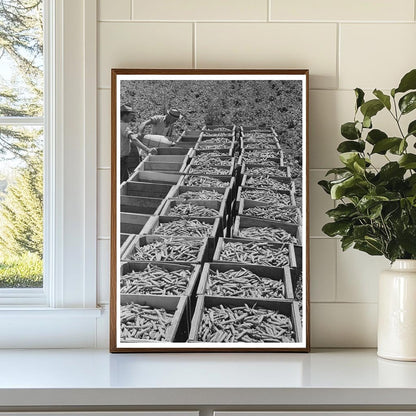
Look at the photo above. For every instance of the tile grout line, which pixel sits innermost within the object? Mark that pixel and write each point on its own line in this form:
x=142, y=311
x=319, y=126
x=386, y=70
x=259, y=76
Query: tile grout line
x=131, y=9
x=308, y=22
x=269, y=9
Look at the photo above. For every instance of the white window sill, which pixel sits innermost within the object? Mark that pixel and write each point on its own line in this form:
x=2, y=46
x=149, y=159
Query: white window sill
x=38, y=311
x=40, y=327
x=323, y=378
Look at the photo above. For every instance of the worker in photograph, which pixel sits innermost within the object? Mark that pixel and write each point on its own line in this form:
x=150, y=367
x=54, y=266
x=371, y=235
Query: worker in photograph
x=127, y=138
x=162, y=125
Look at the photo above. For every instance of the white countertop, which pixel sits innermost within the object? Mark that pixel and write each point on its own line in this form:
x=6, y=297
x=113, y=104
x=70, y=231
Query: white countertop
x=96, y=377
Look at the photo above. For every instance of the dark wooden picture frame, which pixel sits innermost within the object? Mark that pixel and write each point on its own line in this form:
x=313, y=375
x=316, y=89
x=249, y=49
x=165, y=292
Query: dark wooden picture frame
x=241, y=159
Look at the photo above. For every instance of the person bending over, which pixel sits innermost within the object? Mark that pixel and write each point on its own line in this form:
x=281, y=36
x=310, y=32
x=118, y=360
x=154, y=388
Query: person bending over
x=162, y=124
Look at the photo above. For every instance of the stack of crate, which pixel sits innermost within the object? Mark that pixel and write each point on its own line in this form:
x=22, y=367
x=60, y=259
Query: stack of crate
x=178, y=238
x=247, y=293
x=154, y=294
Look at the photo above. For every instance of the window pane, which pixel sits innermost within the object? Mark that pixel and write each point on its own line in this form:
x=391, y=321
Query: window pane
x=21, y=58
x=21, y=207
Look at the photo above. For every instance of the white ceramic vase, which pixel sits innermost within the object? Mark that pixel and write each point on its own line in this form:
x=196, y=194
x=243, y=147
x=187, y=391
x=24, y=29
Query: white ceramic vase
x=397, y=312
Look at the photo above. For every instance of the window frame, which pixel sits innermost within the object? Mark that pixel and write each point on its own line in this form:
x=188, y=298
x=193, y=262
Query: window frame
x=70, y=168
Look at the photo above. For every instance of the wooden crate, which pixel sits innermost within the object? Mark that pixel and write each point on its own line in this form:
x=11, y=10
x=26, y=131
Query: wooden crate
x=174, y=150
x=296, y=275
x=228, y=171
x=167, y=158
x=157, y=220
x=191, y=134
x=228, y=181
x=216, y=147
x=232, y=160
x=145, y=189
x=290, y=194
x=287, y=307
x=138, y=266
x=270, y=141
x=125, y=241
x=275, y=156
x=222, y=241
x=154, y=177
x=172, y=304
x=247, y=179
x=284, y=170
x=132, y=223
x=226, y=152
x=269, y=161
x=245, y=222
x=168, y=167
x=140, y=205
x=140, y=241
x=218, y=127
x=274, y=273
x=245, y=204
x=255, y=129
x=220, y=206
x=209, y=135
x=299, y=255
x=176, y=192
x=187, y=141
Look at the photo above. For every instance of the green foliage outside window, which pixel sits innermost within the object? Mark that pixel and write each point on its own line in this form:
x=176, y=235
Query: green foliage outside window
x=21, y=147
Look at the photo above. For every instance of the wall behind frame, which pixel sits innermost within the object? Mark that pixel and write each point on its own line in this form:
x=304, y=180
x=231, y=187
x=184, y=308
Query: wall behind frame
x=345, y=44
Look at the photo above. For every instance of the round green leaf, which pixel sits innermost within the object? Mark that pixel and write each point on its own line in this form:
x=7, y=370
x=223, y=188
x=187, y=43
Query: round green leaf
x=325, y=186
x=348, y=158
x=399, y=148
x=408, y=102
x=408, y=82
x=359, y=95
x=385, y=99
x=385, y=144
x=336, y=228
x=411, y=130
x=408, y=161
x=371, y=108
x=349, y=146
x=342, y=211
x=375, y=136
x=349, y=131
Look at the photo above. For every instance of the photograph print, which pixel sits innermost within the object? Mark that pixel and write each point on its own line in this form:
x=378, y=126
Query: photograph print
x=209, y=214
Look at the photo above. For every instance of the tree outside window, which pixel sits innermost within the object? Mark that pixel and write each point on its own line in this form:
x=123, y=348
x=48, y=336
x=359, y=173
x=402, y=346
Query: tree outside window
x=21, y=143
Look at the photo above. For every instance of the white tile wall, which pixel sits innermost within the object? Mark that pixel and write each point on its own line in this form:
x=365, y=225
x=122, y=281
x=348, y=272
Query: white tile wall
x=345, y=44
x=357, y=275
x=114, y=10
x=323, y=269
x=358, y=10
x=142, y=45
x=104, y=128
x=271, y=45
x=200, y=10
x=104, y=202
x=388, y=54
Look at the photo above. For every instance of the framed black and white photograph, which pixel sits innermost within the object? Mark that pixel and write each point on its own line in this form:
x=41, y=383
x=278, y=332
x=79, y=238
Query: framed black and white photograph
x=209, y=214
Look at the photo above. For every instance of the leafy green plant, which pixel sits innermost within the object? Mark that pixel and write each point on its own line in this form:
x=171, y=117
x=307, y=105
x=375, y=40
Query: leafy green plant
x=376, y=212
